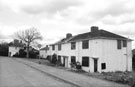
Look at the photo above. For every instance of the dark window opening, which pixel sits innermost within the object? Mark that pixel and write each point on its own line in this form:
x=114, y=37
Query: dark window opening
x=85, y=44
x=59, y=59
x=124, y=43
x=85, y=61
x=53, y=47
x=59, y=47
x=103, y=65
x=73, y=59
x=118, y=44
x=73, y=45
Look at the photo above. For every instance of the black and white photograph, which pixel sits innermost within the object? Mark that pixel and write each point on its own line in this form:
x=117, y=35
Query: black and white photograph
x=67, y=43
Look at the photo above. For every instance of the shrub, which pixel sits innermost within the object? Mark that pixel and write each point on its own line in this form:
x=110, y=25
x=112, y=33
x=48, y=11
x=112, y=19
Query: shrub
x=16, y=55
x=22, y=53
x=48, y=58
x=33, y=54
x=54, y=59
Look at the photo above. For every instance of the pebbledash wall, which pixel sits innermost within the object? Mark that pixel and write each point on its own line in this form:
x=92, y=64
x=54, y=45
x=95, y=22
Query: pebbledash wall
x=109, y=58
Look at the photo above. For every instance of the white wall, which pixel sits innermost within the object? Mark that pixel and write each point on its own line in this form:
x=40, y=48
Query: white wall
x=13, y=50
x=43, y=53
x=105, y=50
x=115, y=59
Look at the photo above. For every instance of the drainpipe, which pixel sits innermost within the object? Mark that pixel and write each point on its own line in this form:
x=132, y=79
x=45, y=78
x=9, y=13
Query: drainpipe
x=78, y=52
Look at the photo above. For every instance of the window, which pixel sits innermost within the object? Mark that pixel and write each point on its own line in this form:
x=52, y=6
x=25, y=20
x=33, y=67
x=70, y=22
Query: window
x=124, y=43
x=73, y=45
x=85, y=61
x=59, y=58
x=118, y=44
x=103, y=65
x=53, y=47
x=73, y=59
x=59, y=47
x=85, y=44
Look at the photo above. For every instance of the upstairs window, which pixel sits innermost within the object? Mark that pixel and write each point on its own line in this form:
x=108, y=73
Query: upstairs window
x=73, y=59
x=85, y=61
x=124, y=43
x=119, y=44
x=59, y=47
x=73, y=45
x=85, y=44
x=53, y=47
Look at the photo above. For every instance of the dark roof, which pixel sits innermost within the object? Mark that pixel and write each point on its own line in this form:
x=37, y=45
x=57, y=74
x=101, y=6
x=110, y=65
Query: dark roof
x=16, y=45
x=97, y=34
x=64, y=40
x=45, y=48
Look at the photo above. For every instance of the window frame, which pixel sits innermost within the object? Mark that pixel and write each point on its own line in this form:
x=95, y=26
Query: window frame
x=59, y=58
x=119, y=44
x=103, y=66
x=74, y=62
x=124, y=43
x=85, y=44
x=73, y=45
x=53, y=47
x=59, y=47
x=85, y=61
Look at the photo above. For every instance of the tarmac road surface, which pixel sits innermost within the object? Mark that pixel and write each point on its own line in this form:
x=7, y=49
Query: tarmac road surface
x=16, y=74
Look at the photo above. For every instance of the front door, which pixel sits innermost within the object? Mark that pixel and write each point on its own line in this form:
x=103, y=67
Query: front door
x=66, y=61
x=95, y=65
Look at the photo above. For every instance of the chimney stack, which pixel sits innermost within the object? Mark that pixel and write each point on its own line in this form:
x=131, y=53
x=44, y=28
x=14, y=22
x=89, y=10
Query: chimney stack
x=68, y=35
x=16, y=41
x=94, y=29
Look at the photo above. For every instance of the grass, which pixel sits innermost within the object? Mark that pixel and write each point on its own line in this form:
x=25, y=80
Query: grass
x=119, y=77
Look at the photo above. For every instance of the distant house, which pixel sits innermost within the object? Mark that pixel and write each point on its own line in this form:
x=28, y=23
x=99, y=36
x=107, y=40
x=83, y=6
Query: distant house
x=14, y=47
x=97, y=51
x=43, y=52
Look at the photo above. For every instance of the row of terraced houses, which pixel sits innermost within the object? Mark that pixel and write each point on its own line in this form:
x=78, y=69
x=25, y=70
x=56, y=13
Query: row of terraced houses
x=97, y=51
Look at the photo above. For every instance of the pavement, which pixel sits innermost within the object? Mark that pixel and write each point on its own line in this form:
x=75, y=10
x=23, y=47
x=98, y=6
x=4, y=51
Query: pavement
x=16, y=74
x=75, y=79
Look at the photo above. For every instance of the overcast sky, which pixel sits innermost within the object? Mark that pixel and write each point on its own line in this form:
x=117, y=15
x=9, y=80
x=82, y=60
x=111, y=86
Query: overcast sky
x=55, y=18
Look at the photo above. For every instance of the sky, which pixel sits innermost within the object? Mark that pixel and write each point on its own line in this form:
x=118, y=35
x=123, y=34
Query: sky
x=55, y=18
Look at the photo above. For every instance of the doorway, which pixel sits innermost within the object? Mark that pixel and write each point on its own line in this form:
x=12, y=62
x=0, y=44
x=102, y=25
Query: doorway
x=95, y=65
x=65, y=61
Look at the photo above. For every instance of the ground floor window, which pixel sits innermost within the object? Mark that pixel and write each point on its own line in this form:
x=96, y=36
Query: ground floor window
x=59, y=58
x=73, y=59
x=85, y=61
x=103, y=65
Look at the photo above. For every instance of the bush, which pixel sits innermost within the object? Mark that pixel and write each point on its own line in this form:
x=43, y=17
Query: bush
x=48, y=58
x=16, y=55
x=22, y=53
x=4, y=49
x=54, y=59
x=33, y=54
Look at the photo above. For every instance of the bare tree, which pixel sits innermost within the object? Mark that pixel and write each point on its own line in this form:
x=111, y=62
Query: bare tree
x=28, y=36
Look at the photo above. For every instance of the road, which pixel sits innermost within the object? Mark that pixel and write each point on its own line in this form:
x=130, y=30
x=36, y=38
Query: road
x=16, y=74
